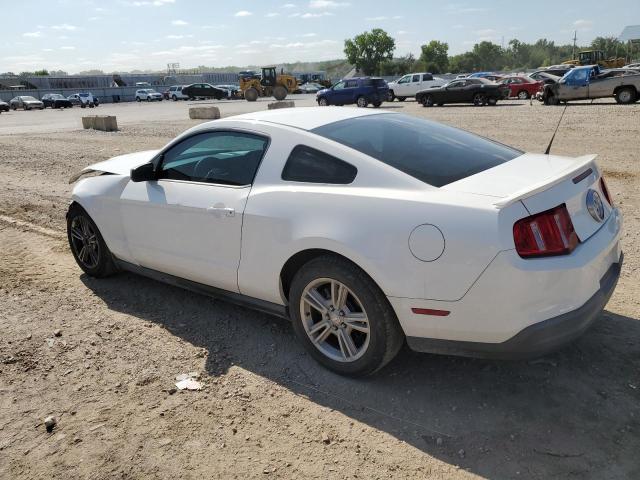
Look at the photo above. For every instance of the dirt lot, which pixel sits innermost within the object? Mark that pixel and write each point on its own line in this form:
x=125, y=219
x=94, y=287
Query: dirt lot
x=267, y=410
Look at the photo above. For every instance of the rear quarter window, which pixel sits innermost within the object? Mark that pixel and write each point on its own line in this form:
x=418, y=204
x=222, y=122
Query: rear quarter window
x=306, y=164
x=433, y=153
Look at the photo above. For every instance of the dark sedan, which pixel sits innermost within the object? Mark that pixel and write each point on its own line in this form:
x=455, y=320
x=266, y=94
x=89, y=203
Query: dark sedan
x=478, y=91
x=55, y=100
x=4, y=106
x=204, y=90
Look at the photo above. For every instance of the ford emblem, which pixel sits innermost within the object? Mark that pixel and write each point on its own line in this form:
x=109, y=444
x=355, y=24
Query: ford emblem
x=595, y=205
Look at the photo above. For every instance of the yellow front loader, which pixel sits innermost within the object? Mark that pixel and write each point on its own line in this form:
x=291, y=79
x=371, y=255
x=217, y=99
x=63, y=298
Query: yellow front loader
x=269, y=84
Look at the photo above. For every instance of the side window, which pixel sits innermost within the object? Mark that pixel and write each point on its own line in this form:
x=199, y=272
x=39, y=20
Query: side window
x=416, y=78
x=229, y=158
x=339, y=86
x=427, y=77
x=351, y=84
x=405, y=79
x=306, y=164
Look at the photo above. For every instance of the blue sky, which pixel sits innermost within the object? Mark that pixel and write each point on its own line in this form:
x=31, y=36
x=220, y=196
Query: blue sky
x=75, y=35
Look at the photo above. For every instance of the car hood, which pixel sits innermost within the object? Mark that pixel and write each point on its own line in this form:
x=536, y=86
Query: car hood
x=120, y=165
x=324, y=90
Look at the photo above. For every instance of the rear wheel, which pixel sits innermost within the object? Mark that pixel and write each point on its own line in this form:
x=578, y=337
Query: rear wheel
x=280, y=93
x=174, y=98
x=479, y=99
x=251, y=94
x=492, y=101
x=138, y=99
x=390, y=96
x=625, y=95
x=87, y=244
x=343, y=318
x=523, y=95
x=362, y=102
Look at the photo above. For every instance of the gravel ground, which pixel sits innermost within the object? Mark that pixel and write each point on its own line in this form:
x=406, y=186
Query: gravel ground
x=101, y=355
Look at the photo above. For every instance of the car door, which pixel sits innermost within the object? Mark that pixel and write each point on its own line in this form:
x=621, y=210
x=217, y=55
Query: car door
x=415, y=85
x=350, y=91
x=455, y=91
x=402, y=86
x=188, y=222
x=575, y=86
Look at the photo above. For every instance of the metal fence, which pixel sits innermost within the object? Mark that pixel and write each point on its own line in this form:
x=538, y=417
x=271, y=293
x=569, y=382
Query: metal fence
x=104, y=95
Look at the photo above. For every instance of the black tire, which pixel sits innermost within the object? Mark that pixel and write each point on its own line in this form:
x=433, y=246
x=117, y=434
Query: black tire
x=99, y=265
x=551, y=100
x=626, y=96
x=479, y=99
x=251, y=94
x=492, y=101
x=401, y=99
x=14, y=108
x=149, y=99
x=138, y=99
x=426, y=100
x=523, y=95
x=280, y=93
x=322, y=102
x=385, y=337
x=441, y=104
x=174, y=98
x=377, y=104
x=390, y=96
x=361, y=102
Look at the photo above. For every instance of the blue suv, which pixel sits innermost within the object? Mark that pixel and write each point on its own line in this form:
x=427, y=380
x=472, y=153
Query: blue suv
x=361, y=91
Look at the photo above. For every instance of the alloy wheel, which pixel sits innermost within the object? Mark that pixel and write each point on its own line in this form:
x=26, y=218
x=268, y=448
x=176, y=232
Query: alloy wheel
x=335, y=320
x=85, y=242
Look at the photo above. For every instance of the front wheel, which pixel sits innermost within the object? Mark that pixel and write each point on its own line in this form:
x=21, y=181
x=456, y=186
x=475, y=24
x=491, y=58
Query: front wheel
x=377, y=104
x=402, y=99
x=426, y=100
x=479, y=99
x=523, y=95
x=251, y=94
x=174, y=98
x=492, y=101
x=362, y=102
x=343, y=318
x=322, y=102
x=87, y=245
x=138, y=99
x=280, y=93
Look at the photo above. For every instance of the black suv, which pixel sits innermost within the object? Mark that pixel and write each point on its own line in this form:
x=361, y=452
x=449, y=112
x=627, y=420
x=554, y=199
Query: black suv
x=361, y=91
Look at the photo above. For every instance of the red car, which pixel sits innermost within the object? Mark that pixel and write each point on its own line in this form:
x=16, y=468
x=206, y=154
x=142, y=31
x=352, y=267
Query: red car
x=521, y=87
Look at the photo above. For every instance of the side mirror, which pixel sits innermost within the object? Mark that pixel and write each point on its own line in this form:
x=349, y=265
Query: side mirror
x=143, y=173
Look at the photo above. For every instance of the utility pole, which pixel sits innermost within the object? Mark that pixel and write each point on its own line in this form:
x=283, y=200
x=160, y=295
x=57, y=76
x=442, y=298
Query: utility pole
x=573, y=52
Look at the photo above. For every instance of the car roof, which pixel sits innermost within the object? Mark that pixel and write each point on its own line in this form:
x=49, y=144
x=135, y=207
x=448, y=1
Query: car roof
x=307, y=118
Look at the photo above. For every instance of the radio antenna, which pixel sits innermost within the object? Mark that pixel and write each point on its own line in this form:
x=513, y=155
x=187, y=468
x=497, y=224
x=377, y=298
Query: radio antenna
x=546, y=152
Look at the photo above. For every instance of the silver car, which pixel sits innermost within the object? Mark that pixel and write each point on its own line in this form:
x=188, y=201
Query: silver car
x=26, y=102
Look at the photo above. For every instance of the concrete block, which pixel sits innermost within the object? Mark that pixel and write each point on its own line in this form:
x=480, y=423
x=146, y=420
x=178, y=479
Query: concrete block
x=281, y=104
x=106, y=123
x=204, y=113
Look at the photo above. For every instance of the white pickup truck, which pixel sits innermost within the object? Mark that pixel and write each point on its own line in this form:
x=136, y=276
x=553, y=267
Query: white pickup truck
x=411, y=84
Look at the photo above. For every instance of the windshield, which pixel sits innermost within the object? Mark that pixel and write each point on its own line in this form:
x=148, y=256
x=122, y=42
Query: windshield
x=57, y=97
x=29, y=99
x=84, y=94
x=433, y=153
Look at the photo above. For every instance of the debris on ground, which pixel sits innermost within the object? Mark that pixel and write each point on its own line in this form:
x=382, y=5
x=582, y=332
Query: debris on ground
x=50, y=422
x=188, y=381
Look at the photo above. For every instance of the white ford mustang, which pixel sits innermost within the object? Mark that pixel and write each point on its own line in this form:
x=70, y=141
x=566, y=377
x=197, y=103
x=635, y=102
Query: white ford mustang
x=365, y=228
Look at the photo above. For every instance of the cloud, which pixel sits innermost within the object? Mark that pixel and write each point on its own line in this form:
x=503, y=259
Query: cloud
x=288, y=5
x=327, y=4
x=583, y=24
x=179, y=23
x=65, y=27
x=243, y=13
x=178, y=37
x=376, y=19
x=401, y=32
x=486, y=32
x=272, y=14
x=155, y=3
x=316, y=15
x=67, y=48
x=309, y=35
x=462, y=8
x=32, y=34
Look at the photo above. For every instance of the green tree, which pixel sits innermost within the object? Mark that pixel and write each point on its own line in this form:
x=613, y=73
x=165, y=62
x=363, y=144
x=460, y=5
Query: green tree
x=370, y=49
x=611, y=46
x=434, y=56
x=41, y=73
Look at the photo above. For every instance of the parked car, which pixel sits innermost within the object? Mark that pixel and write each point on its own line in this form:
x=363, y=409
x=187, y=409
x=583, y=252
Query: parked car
x=633, y=66
x=584, y=83
x=232, y=90
x=55, y=100
x=477, y=90
x=175, y=93
x=521, y=87
x=407, y=86
x=85, y=99
x=558, y=71
x=148, y=94
x=26, y=102
x=364, y=228
x=204, y=90
x=360, y=90
x=4, y=106
x=310, y=87
x=544, y=77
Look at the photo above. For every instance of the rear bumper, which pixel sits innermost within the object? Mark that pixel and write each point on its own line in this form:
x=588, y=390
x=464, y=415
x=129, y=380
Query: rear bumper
x=537, y=339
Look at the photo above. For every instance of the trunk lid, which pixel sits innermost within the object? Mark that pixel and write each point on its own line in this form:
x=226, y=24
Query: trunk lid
x=542, y=182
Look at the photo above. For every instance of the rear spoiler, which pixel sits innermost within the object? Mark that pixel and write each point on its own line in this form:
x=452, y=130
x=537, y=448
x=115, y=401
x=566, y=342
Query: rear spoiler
x=580, y=163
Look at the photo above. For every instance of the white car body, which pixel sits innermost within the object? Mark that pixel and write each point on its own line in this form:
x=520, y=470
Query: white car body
x=409, y=85
x=148, y=94
x=175, y=93
x=448, y=249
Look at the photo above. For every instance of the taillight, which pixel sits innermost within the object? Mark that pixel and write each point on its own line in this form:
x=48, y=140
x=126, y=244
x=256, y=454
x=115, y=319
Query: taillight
x=545, y=234
x=605, y=190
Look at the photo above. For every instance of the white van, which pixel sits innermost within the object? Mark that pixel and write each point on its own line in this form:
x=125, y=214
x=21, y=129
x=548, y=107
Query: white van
x=175, y=93
x=411, y=84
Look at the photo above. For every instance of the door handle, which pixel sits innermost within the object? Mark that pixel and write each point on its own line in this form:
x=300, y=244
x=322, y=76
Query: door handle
x=228, y=211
